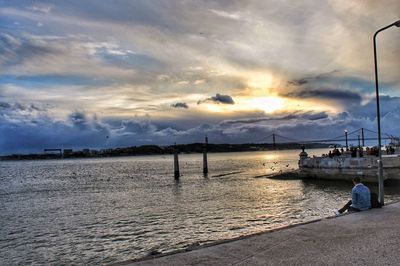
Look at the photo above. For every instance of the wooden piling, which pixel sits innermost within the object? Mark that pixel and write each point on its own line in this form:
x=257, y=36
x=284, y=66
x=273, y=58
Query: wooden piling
x=273, y=140
x=176, y=163
x=205, y=162
x=362, y=135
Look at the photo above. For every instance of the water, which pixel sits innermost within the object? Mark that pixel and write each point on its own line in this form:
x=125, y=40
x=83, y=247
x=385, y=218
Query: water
x=99, y=211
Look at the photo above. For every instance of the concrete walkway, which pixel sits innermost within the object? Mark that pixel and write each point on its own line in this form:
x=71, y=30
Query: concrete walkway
x=365, y=238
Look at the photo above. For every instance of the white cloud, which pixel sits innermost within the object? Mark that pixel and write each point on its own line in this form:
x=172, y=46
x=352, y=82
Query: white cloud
x=224, y=14
x=41, y=8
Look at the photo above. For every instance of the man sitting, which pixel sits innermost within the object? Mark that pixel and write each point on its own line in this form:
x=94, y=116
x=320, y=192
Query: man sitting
x=360, y=198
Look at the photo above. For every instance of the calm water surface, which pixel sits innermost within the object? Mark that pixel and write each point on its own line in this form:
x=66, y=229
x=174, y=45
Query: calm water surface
x=99, y=211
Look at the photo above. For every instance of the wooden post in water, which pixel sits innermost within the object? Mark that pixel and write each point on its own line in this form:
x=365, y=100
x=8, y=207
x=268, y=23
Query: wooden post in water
x=176, y=163
x=205, y=163
x=362, y=136
x=273, y=140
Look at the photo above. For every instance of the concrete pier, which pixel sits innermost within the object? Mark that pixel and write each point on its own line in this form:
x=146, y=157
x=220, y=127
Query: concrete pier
x=365, y=238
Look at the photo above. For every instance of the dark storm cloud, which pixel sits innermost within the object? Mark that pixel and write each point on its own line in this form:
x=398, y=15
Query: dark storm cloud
x=30, y=133
x=298, y=82
x=79, y=120
x=33, y=131
x=326, y=86
x=324, y=93
x=345, y=90
x=180, y=105
x=320, y=77
x=307, y=116
x=218, y=98
x=283, y=117
x=4, y=105
x=136, y=127
x=14, y=107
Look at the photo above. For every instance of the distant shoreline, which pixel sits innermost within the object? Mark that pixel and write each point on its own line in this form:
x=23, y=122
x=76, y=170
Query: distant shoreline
x=158, y=150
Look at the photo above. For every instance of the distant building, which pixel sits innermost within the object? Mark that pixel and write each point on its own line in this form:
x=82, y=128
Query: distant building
x=94, y=152
x=68, y=152
x=102, y=151
x=52, y=151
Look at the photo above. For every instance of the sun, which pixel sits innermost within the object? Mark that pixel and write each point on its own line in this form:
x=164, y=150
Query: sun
x=267, y=104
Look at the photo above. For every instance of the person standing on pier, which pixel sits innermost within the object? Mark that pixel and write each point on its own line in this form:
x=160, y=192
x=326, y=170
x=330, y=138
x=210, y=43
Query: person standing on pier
x=360, y=198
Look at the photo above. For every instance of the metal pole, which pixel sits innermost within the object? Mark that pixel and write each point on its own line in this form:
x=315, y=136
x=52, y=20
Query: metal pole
x=205, y=163
x=347, y=146
x=378, y=116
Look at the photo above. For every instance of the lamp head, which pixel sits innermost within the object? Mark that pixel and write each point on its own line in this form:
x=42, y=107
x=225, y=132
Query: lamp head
x=397, y=23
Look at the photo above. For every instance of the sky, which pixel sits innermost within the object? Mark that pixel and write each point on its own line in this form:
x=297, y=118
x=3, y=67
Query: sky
x=101, y=74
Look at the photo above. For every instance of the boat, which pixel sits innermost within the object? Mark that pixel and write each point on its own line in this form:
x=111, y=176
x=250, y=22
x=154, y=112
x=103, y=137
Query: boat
x=357, y=161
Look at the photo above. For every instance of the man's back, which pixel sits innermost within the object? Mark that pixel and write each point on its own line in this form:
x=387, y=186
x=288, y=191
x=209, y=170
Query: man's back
x=361, y=197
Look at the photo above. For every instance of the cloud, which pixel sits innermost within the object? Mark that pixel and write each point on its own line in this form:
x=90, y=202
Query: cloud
x=307, y=116
x=388, y=105
x=71, y=56
x=19, y=112
x=79, y=120
x=320, y=77
x=298, y=115
x=235, y=16
x=16, y=50
x=24, y=129
x=326, y=94
x=180, y=105
x=134, y=58
x=136, y=127
x=4, y=105
x=343, y=91
x=41, y=8
x=218, y=99
x=225, y=34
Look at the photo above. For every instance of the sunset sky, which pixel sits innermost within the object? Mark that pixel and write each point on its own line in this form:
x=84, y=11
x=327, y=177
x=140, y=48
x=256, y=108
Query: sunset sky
x=99, y=74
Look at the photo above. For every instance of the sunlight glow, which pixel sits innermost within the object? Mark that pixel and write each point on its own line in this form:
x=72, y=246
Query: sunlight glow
x=245, y=104
x=267, y=104
x=270, y=157
x=215, y=108
x=260, y=80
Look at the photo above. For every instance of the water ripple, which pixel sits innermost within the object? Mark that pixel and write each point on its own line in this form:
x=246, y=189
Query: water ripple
x=99, y=211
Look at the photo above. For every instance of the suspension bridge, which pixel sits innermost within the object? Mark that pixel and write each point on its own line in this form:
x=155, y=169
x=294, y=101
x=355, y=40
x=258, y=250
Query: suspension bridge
x=360, y=136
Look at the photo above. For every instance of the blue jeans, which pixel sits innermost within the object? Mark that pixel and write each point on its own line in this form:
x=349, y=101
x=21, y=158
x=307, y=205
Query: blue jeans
x=348, y=208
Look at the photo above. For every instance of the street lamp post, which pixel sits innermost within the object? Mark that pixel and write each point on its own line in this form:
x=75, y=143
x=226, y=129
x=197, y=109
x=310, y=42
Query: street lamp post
x=378, y=115
x=345, y=134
